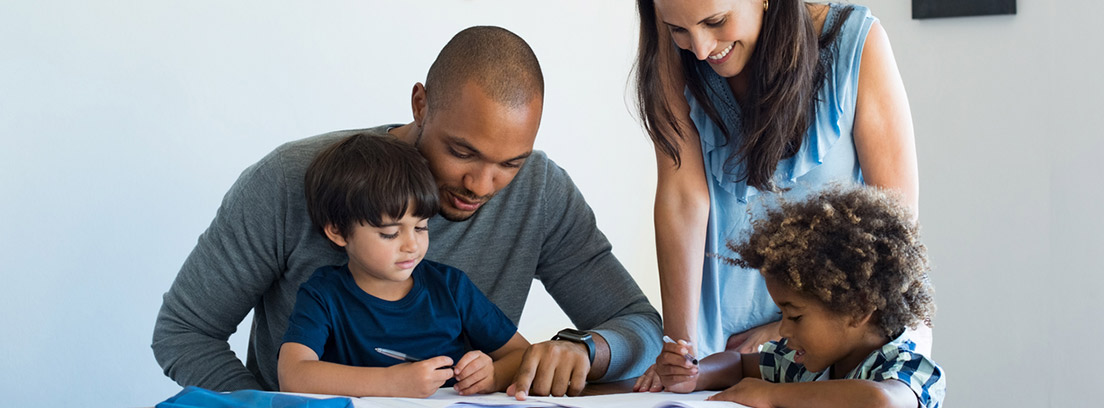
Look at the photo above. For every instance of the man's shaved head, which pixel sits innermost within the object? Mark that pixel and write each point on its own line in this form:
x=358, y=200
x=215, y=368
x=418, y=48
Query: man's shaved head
x=495, y=59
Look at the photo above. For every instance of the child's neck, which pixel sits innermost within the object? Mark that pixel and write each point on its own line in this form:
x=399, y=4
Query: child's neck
x=862, y=347
x=383, y=289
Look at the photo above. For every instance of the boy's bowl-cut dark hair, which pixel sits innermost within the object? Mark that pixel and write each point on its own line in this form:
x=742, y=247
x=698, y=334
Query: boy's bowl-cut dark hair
x=365, y=177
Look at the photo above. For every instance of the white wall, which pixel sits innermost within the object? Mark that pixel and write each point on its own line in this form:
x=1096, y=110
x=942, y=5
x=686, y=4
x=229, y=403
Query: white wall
x=123, y=123
x=1006, y=111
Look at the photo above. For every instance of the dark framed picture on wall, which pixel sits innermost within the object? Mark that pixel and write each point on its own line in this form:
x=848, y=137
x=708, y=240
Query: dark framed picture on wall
x=961, y=8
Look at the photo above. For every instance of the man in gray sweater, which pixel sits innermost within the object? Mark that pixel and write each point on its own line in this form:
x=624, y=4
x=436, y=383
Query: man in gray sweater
x=509, y=215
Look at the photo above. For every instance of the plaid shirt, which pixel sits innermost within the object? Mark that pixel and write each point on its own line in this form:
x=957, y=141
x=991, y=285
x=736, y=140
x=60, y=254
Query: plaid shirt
x=896, y=360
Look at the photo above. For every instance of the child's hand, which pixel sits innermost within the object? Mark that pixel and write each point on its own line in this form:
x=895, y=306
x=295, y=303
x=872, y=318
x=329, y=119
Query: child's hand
x=474, y=373
x=421, y=379
x=675, y=372
x=649, y=381
x=750, y=391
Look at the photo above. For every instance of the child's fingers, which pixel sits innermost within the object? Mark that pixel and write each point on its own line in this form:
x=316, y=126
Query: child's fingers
x=473, y=373
x=644, y=382
x=441, y=375
x=672, y=375
x=465, y=360
x=437, y=362
x=469, y=363
x=482, y=386
x=653, y=384
x=472, y=384
x=462, y=385
x=669, y=380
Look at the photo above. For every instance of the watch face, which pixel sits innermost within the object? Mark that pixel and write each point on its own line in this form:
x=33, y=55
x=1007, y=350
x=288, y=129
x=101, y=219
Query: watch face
x=572, y=334
x=578, y=336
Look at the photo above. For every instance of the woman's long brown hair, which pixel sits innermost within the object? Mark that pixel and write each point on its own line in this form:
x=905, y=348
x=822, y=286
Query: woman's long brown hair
x=786, y=71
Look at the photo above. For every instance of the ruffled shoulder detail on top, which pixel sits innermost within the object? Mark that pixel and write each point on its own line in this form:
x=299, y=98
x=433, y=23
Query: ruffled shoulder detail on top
x=834, y=116
x=715, y=147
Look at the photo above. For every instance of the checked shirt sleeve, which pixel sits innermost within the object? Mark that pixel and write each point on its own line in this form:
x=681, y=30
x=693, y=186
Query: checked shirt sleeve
x=922, y=375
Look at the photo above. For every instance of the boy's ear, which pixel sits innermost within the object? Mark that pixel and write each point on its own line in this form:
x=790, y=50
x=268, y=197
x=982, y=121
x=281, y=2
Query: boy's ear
x=861, y=320
x=334, y=234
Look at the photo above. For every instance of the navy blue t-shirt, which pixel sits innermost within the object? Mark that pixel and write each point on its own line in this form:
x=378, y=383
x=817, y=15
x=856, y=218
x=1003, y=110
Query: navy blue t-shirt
x=444, y=314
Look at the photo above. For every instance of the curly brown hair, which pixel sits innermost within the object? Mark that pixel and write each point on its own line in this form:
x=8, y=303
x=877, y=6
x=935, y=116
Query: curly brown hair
x=853, y=248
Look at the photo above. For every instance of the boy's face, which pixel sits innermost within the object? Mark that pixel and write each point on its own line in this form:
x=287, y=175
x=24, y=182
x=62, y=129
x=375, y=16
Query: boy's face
x=382, y=258
x=475, y=146
x=820, y=337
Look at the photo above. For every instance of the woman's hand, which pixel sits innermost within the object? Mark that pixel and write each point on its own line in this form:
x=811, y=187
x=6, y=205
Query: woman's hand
x=750, y=340
x=676, y=372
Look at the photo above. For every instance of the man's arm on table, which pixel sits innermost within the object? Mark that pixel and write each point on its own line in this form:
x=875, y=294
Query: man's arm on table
x=232, y=265
x=580, y=272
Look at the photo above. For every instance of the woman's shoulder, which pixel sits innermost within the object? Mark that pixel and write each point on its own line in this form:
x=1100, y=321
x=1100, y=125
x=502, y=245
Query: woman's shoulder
x=819, y=13
x=827, y=15
x=847, y=25
x=824, y=13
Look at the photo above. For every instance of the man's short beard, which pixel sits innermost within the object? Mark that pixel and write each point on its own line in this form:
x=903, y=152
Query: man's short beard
x=453, y=217
x=442, y=191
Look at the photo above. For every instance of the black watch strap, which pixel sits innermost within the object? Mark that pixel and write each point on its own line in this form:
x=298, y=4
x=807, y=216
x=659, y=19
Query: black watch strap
x=578, y=336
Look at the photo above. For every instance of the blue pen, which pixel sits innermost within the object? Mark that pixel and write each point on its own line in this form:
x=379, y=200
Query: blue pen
x=667, y=339
x=401, y=356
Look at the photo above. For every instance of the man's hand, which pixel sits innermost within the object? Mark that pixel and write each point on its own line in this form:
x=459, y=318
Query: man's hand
x=553, y=367
x=474, y=374
x=749, y=340
x=421, y=379
x=750, y=391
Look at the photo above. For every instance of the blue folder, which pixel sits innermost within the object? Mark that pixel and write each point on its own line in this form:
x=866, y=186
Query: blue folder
x=192, y=397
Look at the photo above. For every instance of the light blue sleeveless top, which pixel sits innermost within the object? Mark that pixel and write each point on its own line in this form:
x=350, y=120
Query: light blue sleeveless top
x=734, y=299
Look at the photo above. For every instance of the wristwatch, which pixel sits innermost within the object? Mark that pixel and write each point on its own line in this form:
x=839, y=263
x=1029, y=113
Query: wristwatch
x=577, y=336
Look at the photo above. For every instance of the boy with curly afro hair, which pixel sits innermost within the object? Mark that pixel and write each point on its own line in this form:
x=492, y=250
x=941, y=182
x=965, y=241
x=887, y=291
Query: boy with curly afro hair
x=848, y=271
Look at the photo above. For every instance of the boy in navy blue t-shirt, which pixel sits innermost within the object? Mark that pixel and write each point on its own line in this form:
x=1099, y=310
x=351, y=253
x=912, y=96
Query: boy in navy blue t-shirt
x=373, y=197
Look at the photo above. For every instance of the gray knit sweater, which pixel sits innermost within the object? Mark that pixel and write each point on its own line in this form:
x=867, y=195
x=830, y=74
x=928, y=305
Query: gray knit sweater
x=262, y=245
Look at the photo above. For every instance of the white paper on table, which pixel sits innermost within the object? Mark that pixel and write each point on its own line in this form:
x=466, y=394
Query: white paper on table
x=642, y=400
x=447, y=397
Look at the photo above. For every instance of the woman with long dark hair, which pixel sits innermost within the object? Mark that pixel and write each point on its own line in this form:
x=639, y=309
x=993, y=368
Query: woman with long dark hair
x=747, y=101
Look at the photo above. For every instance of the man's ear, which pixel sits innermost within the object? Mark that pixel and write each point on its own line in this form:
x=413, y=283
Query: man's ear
x=418, y=104
x=334, y=234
